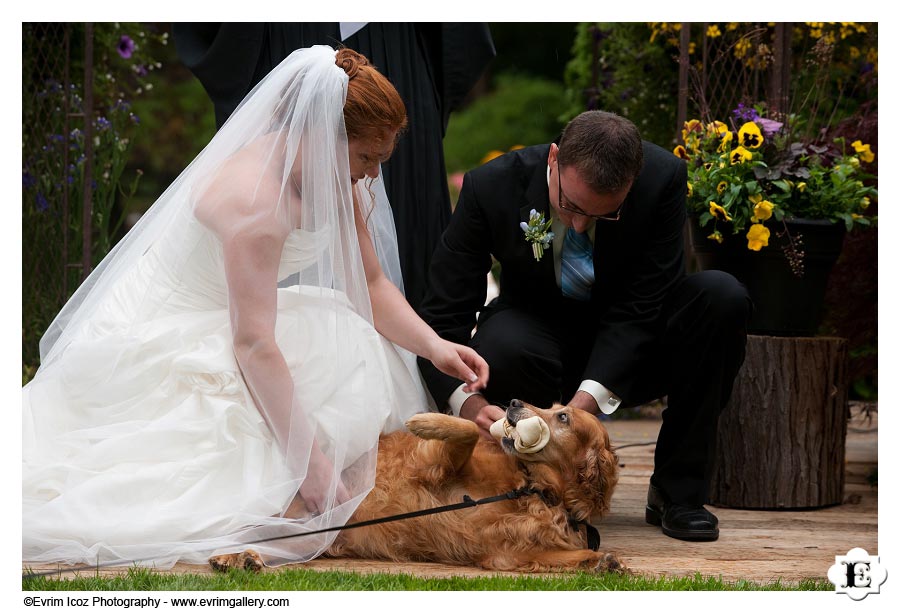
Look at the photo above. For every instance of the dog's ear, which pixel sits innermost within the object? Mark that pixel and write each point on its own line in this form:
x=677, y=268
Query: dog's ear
x=589, y=493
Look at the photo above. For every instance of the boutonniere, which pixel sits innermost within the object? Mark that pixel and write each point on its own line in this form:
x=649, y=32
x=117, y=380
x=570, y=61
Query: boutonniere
x=536, y=233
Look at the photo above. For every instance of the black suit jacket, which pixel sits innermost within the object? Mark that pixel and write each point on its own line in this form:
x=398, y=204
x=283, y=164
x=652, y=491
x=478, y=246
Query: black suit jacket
x=637, y=260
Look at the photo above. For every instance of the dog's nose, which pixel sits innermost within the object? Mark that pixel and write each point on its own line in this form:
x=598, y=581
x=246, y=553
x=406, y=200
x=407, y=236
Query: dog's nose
x=515, y=403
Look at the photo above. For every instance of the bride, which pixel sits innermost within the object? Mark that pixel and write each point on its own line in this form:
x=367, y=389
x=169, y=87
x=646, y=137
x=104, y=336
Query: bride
x=223, y=376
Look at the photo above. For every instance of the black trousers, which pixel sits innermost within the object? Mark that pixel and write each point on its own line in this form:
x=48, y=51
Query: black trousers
x=694, y=362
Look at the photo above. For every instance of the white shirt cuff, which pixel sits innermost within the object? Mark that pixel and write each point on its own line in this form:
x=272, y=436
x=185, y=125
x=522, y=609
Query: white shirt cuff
x=458, y=398
x=606, y=400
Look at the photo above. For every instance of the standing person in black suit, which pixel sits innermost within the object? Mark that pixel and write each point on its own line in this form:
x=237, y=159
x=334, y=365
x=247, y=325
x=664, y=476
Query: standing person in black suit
x=606, y=315
x=432, y=65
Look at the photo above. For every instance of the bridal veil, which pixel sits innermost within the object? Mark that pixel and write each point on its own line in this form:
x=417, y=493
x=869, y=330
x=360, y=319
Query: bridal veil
x=151, y=328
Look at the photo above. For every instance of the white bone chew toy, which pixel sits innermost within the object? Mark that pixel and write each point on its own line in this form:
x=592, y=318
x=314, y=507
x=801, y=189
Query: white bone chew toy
x=530, y=435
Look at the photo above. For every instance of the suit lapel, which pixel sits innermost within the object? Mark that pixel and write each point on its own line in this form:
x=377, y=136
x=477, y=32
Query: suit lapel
x=537, y=197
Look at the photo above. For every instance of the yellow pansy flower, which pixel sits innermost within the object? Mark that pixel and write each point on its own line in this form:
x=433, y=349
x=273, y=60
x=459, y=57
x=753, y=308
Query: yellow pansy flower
x=750, y=135
x=490, y=155
x=713, y=31
x=681, y=152
x=718, y=212
x=727, y=137
x=801, y=187
x=864, y=203
x=690, y=190
x=716, y=236
x=742, y=48
x=722, y=186
x=740, y=155
x=755, y=198
x=757, y=237
x=716, y=127
x=865, y=153
x=763, y=210
x=693, y=125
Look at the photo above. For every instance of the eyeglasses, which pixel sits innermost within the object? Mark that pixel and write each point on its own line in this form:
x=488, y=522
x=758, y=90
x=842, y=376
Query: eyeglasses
x=573, y=208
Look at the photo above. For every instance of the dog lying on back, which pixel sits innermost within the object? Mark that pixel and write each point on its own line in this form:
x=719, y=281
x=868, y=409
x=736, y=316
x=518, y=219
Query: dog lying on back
x=443, y=458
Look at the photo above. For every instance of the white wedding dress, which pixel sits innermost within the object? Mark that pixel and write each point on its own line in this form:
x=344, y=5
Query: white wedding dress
x=141, y=442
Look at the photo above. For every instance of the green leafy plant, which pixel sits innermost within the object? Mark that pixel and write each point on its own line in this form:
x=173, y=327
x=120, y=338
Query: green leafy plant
x=55, y=152
x=621, y=68
x=747, y=176
x=521, y=110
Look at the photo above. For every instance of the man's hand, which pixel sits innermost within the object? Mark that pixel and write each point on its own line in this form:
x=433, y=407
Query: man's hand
x=476, y=408
x=585, y=402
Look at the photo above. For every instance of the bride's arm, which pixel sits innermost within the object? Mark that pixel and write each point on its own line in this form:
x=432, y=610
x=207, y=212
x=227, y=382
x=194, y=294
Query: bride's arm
x=252, y=242
x=396, y=320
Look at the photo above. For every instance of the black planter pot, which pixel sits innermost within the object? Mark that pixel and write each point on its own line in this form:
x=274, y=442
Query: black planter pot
x=783, y=303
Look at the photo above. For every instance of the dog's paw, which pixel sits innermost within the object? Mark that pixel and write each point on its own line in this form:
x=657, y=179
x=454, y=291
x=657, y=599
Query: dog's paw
x=248, y=560
x=610, y=563
x=440, y=426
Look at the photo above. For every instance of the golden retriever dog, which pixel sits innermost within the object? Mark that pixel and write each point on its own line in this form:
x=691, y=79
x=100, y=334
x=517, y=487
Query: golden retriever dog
x=443, y=458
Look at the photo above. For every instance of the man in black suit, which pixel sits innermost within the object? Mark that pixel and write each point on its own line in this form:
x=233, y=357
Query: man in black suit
x=623, y=323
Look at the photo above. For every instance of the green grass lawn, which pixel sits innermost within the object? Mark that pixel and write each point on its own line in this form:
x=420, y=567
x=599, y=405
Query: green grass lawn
x=300, y=580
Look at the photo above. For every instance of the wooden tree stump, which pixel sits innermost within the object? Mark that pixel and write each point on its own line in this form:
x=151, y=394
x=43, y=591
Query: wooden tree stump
x=781, y=438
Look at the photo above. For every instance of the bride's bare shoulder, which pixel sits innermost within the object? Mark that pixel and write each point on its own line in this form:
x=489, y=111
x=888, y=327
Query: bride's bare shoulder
x=241, y=190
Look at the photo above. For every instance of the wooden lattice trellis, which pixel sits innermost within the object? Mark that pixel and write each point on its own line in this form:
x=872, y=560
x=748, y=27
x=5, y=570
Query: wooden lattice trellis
x=57, y=62
x=717, y=76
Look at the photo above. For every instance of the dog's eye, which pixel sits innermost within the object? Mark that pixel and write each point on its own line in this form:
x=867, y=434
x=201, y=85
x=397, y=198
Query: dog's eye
x=563, y=417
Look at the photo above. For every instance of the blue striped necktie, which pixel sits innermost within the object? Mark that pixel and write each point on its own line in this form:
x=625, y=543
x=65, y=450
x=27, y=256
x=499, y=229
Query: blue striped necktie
x=577, y=266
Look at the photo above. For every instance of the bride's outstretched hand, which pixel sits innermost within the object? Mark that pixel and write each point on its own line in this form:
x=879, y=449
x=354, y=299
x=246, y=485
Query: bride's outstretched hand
x=319, y=474
x=461, y=362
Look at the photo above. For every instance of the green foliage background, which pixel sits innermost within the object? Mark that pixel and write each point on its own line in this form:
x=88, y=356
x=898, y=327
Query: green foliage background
x=521, y=110
x=636, y=78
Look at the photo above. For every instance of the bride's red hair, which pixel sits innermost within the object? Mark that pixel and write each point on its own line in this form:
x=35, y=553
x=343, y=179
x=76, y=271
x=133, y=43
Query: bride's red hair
x=373, y=105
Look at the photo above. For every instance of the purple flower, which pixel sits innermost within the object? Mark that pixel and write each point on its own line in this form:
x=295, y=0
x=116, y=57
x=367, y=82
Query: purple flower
x=141, y=70
x=769, y=126
x=125, y=47
x=134, y=118
x=103, y=124
x=28, y=181
x=42, y=204
x=744, y=114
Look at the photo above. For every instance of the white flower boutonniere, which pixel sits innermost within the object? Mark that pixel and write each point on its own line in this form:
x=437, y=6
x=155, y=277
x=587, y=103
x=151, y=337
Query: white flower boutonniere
x=536, y=233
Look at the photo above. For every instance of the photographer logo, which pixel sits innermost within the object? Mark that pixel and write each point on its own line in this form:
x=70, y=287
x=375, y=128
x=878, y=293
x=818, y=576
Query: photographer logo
x=857, y=574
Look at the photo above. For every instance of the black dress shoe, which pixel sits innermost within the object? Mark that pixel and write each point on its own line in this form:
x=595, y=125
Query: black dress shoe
x=685, y=522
